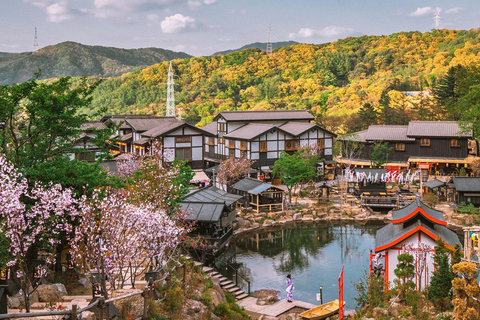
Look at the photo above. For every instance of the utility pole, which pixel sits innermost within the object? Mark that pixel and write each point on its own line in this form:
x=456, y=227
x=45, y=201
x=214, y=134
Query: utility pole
x=35, y=41
x=269, y=40
x=170, y=109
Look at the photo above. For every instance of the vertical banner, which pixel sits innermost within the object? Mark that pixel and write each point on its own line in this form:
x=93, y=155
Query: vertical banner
x=340, y=295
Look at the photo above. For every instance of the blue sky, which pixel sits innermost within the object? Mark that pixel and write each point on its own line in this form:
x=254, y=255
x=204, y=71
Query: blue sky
x=202, y=27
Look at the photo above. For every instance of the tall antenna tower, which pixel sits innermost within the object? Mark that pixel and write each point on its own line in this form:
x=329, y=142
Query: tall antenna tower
x=170, y=93
x=35, y=41
x=437, y=20
x=269, y=40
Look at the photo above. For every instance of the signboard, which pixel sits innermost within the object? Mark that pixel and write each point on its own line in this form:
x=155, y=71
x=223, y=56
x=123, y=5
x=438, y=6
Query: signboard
x=424, y=166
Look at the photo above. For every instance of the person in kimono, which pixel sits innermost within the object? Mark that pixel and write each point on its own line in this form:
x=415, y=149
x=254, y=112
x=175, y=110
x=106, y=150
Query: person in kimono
x=290, y=288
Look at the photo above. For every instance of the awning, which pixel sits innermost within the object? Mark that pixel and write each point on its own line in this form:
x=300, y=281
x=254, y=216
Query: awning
x=142, y=141
x=199, y=177
x=441, y=160
x=266, y=169
x=434, y=184
x=472, y=194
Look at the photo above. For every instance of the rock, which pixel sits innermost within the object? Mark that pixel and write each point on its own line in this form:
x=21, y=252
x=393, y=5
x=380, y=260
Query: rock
x=217, y=295
x=84, y=282
x=87, y=315
x=297, y=216
x=379, y=313
x=255, y=225
x=268, y=223
x=307, y=217
x=261, y=302
x=51, y=292
x=13, y=302
x=243, y=224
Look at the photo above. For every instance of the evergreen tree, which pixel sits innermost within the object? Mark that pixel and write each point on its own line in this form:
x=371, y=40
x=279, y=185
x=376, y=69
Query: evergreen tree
x=380, y=151
x=404, y=272
x=368, y=115
x=440, y=290
x=446, y=91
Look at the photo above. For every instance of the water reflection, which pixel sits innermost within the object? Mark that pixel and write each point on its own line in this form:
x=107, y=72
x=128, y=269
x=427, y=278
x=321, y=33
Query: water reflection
x=312, y=254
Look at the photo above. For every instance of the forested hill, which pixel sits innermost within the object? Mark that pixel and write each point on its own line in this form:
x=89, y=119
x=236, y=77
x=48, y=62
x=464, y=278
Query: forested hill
x=334, y=81
x=75, y=59
x=258, y=45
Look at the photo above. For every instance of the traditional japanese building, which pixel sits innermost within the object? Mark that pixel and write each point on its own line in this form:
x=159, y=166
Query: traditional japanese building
x=415, y=230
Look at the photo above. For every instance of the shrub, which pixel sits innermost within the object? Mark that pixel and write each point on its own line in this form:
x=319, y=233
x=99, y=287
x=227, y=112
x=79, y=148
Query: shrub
x=174, y=299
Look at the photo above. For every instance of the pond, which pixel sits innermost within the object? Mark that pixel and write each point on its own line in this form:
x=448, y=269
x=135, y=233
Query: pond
x=312, y=254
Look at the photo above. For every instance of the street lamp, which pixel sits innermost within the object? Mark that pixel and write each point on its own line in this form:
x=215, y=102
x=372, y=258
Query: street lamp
x=320, y=295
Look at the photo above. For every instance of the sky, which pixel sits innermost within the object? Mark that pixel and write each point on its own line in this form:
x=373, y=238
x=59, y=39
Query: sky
x=203, y=27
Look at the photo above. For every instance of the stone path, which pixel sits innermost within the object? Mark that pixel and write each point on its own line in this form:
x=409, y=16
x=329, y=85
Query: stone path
x=274, y=310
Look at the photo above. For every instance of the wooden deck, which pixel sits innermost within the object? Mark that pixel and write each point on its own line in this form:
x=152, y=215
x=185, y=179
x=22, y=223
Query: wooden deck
x=274, y=310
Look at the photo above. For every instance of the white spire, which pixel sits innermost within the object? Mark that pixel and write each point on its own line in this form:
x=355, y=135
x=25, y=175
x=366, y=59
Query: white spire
x=170, y=112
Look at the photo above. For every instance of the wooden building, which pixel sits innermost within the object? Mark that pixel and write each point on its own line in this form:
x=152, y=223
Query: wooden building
x=466, y=190
x=86, y=146
x=414, y=229
x=441, y=147
x=262, y=135
x=243, y=186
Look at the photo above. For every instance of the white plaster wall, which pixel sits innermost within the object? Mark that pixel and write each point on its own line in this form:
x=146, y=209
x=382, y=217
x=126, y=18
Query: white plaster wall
x=255, y=145
x=176, y=133
x=183, y=145
x=272, y=155
x=197, y=154
x=237, y=153
x=169, y=142
x=207, y=148
x=271, y=145
x=255, y=156
x=233, y=126
x=281, y=145
x=189, y=131
x=328, y=142
x=197, y=140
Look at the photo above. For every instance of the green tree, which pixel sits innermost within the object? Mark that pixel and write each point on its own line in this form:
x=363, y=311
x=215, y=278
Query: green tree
x=440, y=289
x=293, y=169
x=42, y=123
x=404, y=272
x=446, y=91
x=380, y=151
x=368, y=115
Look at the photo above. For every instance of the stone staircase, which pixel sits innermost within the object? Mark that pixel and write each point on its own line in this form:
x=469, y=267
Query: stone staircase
x=225, y=283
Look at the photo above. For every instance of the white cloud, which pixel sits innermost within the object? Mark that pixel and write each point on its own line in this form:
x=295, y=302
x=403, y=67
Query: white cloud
x=178, y=23
x=424, y=11
x=194, y=5
x=330, y=32
x=59, y=11
x=120, y=8
x=453, y=10
x=208, y=2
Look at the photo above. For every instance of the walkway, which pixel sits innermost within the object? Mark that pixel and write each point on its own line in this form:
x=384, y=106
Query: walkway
x=274, y=310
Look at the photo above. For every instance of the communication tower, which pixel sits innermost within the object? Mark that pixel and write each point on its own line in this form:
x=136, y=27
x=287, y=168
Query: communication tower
x=437, y=20
x=170, y=112
x=269, y=40
x=35, y=41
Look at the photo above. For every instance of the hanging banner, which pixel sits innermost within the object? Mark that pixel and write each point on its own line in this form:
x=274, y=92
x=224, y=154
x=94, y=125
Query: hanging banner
x=340, y=295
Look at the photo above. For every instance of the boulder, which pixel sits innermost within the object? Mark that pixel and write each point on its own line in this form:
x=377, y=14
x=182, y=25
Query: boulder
x=51, y=292
x=308, y=217
x=84, y=282
x=268, y=223
x=87, y=315
x=243, y=224
x=297, y=216
x=217, y=295
x=379, y=313
x=13, y=302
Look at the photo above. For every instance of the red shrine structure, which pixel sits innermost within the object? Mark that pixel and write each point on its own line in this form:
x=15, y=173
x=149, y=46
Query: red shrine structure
x=414, y=229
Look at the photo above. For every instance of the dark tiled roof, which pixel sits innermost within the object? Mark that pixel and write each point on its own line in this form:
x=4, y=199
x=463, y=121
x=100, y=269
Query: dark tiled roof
x=211, y=127
x=203, y=211
x=387, y=133
x=121, y=119
x=392, y=232
x=467, y=184
x=265, y=115
x=298, y=128
x=407, y=210
x=246, y=184
x=142, y=141
x=436, y=129
x=126, y=137
x=142, y=125
x=212, y=194
x=250, y=131
x=435, y=183
x=263, y=187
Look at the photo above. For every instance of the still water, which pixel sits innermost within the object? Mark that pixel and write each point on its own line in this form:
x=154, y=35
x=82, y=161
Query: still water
x=313, y=255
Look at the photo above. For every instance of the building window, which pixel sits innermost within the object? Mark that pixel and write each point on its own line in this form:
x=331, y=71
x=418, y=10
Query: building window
x=292, y=145
x=231, y=143
x=231, y=152
x=183, y=139
x=221, y=140
x=211, y=141
x=425, y=142
x=400, y=146
x=221, y=127
x=454, y=143
x=263, y=146
x=321, y=144
x=184, y=154
x=243, y=145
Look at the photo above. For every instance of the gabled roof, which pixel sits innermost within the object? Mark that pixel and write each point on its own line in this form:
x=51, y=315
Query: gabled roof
x=298, y=128
x=265, y=115
x=203, y=211
x=251, y=131
x=142, y=141
x=142, y=125
x=95, y=125
x=393, y=234
x=246, y=184
x=169, y=127
x=126, y=137
x=416, y=208
x=467, y=184
x=387, y=133
x=211, y=127
x=121, y=119
x=212, y=194
x=263, y=187
x=449, y=129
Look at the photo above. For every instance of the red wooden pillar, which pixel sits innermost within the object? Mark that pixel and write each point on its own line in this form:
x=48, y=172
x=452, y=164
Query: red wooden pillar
x=340, y=295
